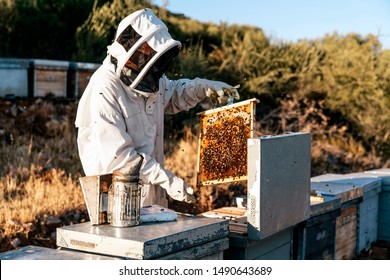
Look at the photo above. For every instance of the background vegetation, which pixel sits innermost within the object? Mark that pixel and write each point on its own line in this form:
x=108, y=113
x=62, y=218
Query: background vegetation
x=337, y=88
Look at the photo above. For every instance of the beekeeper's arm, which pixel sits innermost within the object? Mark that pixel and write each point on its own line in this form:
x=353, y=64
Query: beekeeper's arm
x=116, y=148
x=187, y=93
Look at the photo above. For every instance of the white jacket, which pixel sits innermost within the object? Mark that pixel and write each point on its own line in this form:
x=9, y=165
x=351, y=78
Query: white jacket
x=116, y=122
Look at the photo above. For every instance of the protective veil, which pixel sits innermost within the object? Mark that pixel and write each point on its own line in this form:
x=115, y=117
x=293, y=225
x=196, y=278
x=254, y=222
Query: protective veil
x=121, y=112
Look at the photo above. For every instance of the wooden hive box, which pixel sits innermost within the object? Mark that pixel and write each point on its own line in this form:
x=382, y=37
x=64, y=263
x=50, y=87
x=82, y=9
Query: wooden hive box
x=277, y=167
x=275, y=247
x=347, y=222
x=50, y=78
x=315, y=238
x=222, y=153
x=367, y=215
x=186, y=238
x=79, y=75
x=14, y=77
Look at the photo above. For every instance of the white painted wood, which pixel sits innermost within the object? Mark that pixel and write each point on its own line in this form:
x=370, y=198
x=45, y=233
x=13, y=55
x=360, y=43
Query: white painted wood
x=278, y=183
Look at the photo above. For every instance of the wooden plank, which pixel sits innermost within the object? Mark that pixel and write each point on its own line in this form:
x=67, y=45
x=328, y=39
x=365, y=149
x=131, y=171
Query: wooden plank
x=228, y=211
x=145, y=241
x=238, y=228
x=48, y=82
x=210, y=250
x=320, y=240
x=236, y=216
x=52, y=76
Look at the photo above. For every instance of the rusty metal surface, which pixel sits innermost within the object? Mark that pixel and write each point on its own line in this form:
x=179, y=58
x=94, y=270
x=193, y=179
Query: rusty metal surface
x=146, y=241
x=278, y=183
x=43, y=253
x=222, y=153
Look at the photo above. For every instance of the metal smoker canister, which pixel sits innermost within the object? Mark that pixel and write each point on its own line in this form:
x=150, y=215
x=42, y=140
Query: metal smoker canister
x=124, y=197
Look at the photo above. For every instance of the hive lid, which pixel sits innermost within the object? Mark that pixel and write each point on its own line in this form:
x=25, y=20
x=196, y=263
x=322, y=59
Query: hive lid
x=222, y=152
x=328, y=204
x=346, y=192
x=145, y=241
x=383, y=173
x=359, y=179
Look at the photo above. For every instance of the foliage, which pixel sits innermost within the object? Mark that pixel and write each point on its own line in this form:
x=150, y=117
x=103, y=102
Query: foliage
x=98, y=31
x=356, y=75
x=349, y=74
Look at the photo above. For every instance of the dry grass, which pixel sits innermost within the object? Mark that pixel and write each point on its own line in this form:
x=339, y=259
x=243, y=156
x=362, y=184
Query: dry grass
x=35, y=199
x=38, y=175
x=39, y=168
x=182, y=160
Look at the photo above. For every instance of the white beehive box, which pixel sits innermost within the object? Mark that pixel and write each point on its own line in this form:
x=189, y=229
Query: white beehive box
x=186, y=238
x=79, y=75
x=14, y=77
x=348, y=187
x=384, y=203
x=278, y=183
x=50, y=78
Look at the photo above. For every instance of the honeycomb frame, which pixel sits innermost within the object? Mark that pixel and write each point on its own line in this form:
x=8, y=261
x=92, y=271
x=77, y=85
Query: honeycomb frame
x=222, y=149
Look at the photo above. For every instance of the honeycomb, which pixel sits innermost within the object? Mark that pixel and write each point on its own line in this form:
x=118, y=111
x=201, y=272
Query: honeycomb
x=223, y=143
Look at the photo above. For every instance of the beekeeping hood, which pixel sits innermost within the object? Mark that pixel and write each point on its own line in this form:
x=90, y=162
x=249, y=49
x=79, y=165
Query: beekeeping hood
x=134, y=32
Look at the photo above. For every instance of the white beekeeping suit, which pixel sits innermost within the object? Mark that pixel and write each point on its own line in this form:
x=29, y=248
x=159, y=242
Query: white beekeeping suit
x=121, y=112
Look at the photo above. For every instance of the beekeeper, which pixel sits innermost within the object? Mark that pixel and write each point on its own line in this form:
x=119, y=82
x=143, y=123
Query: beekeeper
x=120, y=115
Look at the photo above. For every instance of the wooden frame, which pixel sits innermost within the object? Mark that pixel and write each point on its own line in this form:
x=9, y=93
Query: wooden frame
x=225, y=130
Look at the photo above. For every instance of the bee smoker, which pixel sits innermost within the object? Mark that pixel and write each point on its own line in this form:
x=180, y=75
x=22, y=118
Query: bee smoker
x=124, y=195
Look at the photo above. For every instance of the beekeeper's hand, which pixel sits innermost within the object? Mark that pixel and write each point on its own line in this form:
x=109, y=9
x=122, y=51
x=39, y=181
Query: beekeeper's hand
x=179, y=190
x=152, y=173
x=221, y=93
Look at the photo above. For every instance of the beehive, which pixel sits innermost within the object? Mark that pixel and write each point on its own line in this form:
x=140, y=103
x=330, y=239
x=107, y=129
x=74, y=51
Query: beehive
x=384, y=203
x=362, y=218
x=315, y=238
x=222, y=154
x=79, y=75
x=49, y=78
